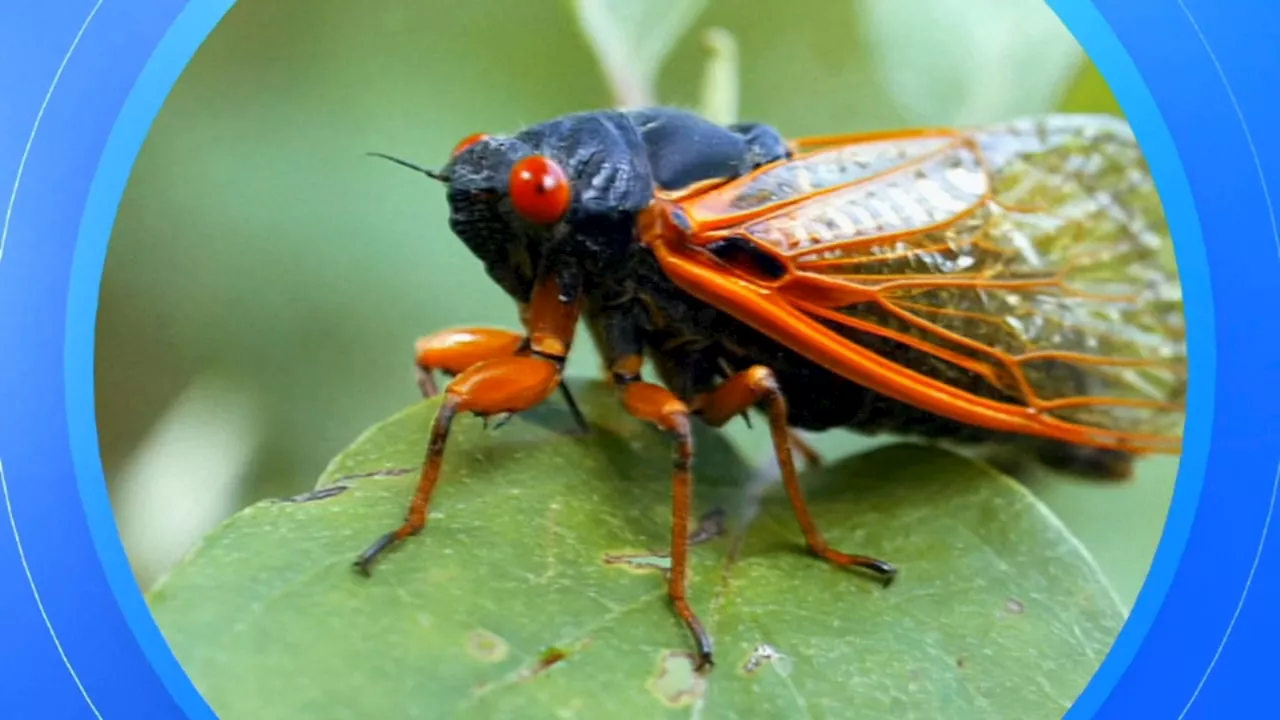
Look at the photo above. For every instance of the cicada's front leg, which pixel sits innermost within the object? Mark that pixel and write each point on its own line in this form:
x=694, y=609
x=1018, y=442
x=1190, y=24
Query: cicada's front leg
x=498, y=386
x=454, y=351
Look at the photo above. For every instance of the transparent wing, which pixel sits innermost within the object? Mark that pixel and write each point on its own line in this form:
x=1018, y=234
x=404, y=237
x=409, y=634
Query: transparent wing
x=821, y=170
x=1028, y=261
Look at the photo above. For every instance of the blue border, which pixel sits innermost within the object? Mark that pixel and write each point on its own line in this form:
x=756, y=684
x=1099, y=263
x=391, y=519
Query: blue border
x=1190, y=74
x=170, y=58
x=1090, y=28
x=1196, y=79
x=78, y=639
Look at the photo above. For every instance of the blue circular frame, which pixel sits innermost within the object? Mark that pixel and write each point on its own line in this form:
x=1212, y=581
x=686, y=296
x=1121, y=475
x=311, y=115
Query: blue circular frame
x=1192, y=76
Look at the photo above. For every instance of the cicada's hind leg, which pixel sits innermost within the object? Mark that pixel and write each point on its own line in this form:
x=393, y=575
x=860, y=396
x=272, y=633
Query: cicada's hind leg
x=497, y=386
x=758, y=386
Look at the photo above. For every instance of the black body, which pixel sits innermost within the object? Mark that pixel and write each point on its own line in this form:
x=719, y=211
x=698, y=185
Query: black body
x=615, y=160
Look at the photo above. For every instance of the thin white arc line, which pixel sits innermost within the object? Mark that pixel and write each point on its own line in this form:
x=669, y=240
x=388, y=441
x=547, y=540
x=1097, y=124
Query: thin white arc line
x=22, y=557
x=4, y=235
x=1275, y=485
x=31, y=138
x=1257, y=558
x=1248, y=136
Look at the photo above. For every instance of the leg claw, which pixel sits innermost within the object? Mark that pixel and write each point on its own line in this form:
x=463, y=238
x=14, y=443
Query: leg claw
x=889, y=577
x=364, y=563
x=881, y=569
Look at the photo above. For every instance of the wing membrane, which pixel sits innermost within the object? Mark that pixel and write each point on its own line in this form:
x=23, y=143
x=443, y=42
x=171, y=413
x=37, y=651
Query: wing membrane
x=1028, y=263
x=823, y=170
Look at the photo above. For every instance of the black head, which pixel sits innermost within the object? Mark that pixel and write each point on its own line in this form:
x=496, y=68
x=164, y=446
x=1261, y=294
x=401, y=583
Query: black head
x=561, y=196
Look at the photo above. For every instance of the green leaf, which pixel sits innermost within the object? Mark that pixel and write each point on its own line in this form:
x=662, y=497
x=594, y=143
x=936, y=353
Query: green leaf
x=537, y=588
x=720, y=84
x=631, y=40
x=1089, y=93
x=963, y=62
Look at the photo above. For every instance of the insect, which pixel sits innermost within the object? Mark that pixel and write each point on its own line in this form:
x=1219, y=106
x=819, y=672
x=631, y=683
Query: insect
x=1008, y=285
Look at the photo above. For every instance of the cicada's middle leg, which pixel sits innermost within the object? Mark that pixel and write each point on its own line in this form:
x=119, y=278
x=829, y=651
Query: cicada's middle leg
x=812, y=458
x=740, y=393
x=659, y=406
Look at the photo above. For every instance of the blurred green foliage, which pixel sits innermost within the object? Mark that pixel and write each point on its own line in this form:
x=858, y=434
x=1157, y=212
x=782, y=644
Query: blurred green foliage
x=257, y=248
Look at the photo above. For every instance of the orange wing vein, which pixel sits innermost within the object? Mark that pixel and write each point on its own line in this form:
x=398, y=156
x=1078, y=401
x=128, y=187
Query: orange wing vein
x=1017, y=276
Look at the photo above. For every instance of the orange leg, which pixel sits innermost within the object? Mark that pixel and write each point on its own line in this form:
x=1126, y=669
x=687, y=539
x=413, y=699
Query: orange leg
x=497, y=386
x=812, y=457
x=658, y=405
x=493, y=387
x=453, y=351
x=745, y=390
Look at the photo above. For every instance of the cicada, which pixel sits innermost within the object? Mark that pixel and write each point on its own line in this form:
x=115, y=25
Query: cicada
x=1006, y=285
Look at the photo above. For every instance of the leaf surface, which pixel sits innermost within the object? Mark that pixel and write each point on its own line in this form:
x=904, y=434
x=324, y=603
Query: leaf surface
x=537, y=588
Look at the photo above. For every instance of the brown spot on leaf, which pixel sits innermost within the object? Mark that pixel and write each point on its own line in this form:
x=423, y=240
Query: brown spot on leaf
x=486, y=646
x=323, y=493
x=384, y=472
x=960, y=663
x=549, y=657
x=677, y=683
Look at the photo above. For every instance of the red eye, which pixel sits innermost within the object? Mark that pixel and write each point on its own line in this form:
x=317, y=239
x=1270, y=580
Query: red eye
x=467, y=142
x=540, y=190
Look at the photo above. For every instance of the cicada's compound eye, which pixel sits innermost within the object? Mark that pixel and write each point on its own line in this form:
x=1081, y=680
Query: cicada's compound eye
x=467, y=142
x=539, y=190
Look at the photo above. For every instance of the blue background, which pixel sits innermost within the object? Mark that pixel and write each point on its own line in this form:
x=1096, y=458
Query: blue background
x=1195, y=78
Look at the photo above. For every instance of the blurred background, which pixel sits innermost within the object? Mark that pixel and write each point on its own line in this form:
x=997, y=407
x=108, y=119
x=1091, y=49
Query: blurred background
x=266, y=281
